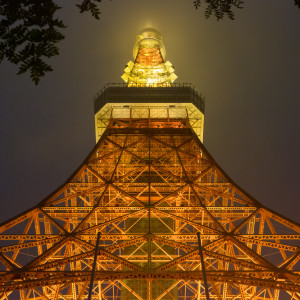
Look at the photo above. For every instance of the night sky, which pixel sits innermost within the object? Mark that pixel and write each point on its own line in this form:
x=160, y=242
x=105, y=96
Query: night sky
x=247, y=69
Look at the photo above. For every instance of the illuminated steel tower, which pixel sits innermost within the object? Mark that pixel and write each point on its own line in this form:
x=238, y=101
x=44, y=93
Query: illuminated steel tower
x=148, y=187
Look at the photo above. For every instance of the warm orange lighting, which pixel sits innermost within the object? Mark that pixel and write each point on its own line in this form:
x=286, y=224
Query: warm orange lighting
x=149, y=68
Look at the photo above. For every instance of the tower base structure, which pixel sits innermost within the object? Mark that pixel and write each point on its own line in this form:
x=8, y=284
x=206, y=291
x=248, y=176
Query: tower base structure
x=148, y=187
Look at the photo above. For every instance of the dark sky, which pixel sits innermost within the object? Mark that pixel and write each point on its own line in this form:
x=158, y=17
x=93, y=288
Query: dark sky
x=248, y=70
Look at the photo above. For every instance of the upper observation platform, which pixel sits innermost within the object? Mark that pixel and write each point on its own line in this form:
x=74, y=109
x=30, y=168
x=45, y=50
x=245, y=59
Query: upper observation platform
x=149, y=66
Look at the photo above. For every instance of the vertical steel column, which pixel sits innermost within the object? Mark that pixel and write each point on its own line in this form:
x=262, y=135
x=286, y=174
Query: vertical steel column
x=94, y=266
x=149, y=200
x=203, y=266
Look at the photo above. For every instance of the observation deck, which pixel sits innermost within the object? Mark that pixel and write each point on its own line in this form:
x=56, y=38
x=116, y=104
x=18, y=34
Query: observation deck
x=118, y=105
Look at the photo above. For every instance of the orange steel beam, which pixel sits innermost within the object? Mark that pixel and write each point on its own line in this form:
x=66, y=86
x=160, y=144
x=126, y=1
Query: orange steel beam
x=245, y=278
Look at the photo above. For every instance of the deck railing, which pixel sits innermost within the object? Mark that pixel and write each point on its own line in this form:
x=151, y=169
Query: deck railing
x=121, y=93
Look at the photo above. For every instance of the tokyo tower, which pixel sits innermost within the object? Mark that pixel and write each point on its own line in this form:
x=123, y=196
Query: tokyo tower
x=149, y=189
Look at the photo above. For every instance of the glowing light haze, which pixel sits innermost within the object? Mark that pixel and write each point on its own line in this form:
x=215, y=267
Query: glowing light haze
x=248, y=70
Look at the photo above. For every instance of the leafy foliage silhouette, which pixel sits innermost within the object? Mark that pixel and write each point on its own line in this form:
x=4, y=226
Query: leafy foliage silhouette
x=29, y=31
x=219, y=8
x=29, y=34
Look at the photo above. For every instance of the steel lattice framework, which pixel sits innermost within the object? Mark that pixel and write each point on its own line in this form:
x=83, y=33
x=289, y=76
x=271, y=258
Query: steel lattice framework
x=148, y=187
x=148, y=192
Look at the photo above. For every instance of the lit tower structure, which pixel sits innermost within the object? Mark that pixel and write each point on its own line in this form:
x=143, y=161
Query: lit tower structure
x=148, y=187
